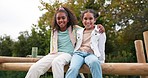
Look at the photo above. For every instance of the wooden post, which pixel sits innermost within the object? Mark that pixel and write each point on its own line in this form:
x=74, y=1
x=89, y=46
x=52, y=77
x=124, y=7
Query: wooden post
x=140, y=53
x=145, y=34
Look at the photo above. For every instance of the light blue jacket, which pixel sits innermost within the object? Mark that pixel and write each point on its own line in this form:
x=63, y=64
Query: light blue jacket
x=97, y=42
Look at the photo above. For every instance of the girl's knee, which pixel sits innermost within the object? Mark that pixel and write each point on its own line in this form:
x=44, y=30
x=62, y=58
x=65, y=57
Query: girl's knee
x=73, y=68
x=94, y=63
x=56, y=61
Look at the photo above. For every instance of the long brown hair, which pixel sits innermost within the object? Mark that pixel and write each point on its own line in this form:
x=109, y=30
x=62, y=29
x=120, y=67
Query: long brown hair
x=71, y=17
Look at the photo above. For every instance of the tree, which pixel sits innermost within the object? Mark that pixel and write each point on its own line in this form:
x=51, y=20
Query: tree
x=118, y=17
x=21, y=47
x=6, y=46
x=39, y=37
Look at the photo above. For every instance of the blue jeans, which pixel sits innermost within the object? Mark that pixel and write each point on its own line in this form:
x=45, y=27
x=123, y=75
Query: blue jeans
x=78, y=59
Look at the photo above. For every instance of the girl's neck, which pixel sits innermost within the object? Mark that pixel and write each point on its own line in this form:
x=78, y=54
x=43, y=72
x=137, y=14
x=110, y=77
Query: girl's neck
x=63, y=29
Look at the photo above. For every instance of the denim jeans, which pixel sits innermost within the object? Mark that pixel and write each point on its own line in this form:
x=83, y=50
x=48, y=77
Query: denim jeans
x=78, y=59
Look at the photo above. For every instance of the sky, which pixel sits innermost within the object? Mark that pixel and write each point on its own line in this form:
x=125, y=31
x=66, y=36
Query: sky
x=18, y=15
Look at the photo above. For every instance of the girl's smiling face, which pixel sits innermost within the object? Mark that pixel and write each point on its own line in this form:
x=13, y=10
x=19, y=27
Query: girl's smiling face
x=88, y=20
x=62, y=20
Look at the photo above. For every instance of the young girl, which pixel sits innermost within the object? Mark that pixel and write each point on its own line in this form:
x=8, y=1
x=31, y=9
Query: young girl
x=89, y=48
x=62, y=34
x=62, y=45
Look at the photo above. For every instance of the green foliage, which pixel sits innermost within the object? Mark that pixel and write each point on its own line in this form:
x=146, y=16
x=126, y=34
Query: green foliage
x=39, y=37
x=124, y=21
x=118, y=13
x=6, y=46
x=21, y=47
x=115, y=17
x=12, y=74
x=121, y=56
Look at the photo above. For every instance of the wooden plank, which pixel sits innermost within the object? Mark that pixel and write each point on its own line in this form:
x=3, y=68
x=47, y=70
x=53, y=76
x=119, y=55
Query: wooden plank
x=107, y=68
x=125, y=68
x=6, y=59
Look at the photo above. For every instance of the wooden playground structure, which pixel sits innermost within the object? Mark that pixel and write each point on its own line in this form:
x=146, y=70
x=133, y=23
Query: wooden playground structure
x=140, y=68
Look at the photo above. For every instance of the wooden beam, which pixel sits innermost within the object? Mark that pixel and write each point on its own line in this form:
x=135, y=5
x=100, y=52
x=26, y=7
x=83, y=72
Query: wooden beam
x=125, y=68
x=6, y=59
x=23, y=64
x=107, y=68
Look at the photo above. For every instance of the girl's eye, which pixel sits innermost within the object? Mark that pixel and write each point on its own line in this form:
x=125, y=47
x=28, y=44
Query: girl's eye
x=90, y=18
x=85, y=18
x=58, y=18
x=63, y=17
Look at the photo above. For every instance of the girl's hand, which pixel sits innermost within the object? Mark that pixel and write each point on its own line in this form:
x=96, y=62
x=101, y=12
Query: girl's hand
x=101, y=28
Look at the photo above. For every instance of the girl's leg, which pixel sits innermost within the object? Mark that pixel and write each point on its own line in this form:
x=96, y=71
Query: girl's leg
x=94, y=65
x=76, y=63
x=58, y=64
x=41, y=66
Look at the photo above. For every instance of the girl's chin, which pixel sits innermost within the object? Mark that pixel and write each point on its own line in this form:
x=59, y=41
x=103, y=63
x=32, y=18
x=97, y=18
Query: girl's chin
x=88, y=26
x=62, y=26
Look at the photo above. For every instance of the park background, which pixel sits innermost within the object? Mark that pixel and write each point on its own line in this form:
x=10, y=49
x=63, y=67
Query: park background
x=124, y=22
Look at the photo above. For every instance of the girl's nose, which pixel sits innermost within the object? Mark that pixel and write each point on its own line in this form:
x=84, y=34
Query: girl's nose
x=87, y=21
x=60, y=20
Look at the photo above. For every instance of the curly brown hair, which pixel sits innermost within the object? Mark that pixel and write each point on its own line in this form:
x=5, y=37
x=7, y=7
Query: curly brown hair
x=71, y=17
